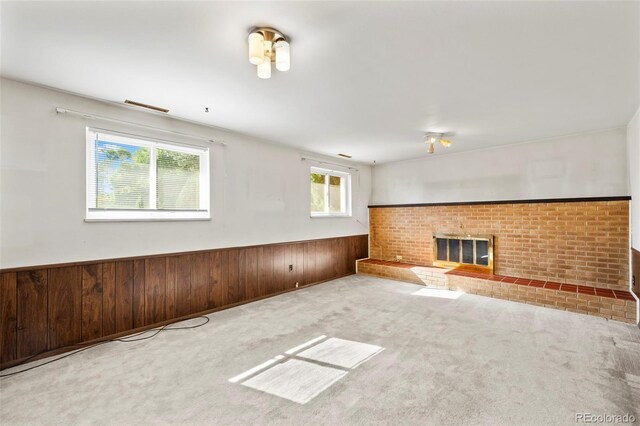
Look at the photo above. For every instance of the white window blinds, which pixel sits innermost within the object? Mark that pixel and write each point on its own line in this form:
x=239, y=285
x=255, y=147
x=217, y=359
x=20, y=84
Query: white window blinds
x=137, y=178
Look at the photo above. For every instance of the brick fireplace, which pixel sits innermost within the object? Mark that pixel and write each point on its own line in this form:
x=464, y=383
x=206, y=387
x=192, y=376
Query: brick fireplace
x=570, y=243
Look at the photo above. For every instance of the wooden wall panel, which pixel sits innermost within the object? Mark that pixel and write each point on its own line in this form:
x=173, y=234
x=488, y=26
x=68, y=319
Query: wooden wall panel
x=199, y=282
x=8, y=317
x=265, y=275
x=183, y=285
x=341, y=256
x=155, y=286
x=219, y=279
x=233, y=284
x=359, y=249
x=364, y=246
x=249, y=274
x=138, y=293
x=32, y=312
x=324, y=268
x=108, y=298
x=279, y=275
x=299, y=261
x=310, y=258
x=65, y=306
x=124, y=295
x=45, y=308
x=289, y=267
x=172, y=278
x=91, y=301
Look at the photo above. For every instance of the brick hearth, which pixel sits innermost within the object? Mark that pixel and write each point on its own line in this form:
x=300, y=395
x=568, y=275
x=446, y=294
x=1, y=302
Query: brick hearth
x=608, y=303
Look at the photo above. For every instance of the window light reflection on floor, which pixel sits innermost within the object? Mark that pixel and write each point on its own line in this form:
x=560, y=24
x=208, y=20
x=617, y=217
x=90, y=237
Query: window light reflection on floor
x=438, y=293
x=308, y=369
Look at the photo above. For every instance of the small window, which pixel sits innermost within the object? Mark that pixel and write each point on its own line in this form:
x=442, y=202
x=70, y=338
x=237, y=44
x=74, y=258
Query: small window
x=330, y=193
x=134, y=178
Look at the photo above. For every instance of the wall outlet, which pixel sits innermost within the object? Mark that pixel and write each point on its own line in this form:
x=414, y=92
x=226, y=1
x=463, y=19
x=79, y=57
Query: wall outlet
x=398, y=257
x=296, y=284
x=290, y=268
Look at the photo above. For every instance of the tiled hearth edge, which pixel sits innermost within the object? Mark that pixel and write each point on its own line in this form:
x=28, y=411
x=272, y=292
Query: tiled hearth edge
x=611, y=304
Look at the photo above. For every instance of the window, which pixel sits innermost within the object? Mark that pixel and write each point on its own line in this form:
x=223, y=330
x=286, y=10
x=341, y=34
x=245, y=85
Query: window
x=134, y=178
x=330, y=193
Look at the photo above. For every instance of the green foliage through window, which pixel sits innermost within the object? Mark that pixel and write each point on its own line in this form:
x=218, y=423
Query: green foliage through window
x=124, y=173
x=328, y=194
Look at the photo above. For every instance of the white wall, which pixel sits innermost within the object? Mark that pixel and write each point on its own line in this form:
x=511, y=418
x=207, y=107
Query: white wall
x=586, y=165
x=633, y=150
x=259, y=194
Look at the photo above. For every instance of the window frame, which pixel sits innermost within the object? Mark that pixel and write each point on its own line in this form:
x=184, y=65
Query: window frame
x=93, y=214
x=346, y=196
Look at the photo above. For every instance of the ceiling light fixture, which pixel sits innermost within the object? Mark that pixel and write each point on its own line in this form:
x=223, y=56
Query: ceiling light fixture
x=432, y=138
x=268, y=45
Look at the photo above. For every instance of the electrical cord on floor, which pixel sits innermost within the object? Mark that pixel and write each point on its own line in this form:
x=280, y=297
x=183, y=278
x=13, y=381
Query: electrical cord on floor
x=128, y=339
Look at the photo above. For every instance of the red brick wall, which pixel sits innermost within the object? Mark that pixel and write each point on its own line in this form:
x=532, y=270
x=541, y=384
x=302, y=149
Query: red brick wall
x=575, y=242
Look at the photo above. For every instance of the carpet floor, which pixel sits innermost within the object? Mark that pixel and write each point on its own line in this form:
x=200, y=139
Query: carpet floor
x=357, y=350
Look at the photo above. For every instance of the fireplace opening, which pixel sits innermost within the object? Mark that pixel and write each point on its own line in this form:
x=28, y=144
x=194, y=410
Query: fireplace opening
x=475, y=251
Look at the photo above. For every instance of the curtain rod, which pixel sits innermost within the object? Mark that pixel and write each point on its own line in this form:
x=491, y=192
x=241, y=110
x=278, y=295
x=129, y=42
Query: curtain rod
x=327, y=162
x=130, y=123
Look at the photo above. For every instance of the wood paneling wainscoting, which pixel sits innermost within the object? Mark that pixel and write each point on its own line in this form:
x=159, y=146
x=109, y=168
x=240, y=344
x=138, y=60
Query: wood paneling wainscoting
x=50, y=307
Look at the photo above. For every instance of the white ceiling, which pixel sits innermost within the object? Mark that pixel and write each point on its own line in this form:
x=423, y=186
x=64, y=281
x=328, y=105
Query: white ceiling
x=366, y=78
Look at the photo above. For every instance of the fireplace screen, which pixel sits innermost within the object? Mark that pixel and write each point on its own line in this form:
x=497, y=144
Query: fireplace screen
x=463, y=250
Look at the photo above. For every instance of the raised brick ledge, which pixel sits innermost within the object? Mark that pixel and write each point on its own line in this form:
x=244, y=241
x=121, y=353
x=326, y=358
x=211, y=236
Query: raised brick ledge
x=551, y=285
x=569, y=288
x=611, y=304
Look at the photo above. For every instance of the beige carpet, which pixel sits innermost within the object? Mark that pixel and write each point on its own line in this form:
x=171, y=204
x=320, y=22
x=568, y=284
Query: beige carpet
x=428, y=358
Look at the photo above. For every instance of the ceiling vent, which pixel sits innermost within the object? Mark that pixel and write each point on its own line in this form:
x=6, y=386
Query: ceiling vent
x=141, y=105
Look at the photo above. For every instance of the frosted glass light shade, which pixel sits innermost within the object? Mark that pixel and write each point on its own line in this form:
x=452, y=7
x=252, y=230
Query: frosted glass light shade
x=264, y=69
x=268, y=49
x=256, y=48
x=283, y=57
